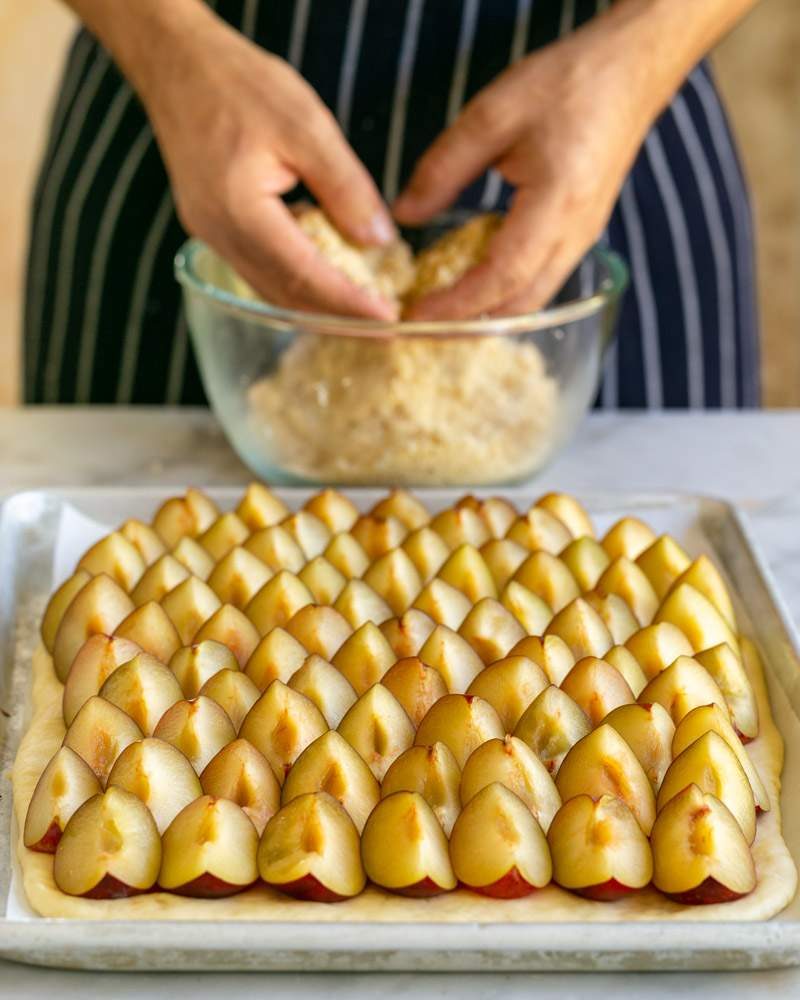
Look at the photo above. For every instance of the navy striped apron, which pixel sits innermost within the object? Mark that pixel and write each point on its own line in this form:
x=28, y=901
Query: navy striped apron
x=103, y=321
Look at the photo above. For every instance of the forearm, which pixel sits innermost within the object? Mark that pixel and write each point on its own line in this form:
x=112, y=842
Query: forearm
x=147, y=37
x=657, y=42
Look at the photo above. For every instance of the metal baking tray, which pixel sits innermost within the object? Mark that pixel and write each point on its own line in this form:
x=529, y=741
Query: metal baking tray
x=29, y=533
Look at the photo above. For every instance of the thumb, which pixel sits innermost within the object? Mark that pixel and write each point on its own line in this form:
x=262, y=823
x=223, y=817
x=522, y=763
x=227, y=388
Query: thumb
x=459, y=155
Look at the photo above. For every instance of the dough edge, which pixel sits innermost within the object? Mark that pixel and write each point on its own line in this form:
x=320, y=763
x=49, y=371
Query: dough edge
x=777, y=874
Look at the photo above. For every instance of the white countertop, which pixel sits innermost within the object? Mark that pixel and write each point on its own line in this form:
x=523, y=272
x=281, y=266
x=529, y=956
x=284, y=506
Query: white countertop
x=750, y=458
x=737, y=455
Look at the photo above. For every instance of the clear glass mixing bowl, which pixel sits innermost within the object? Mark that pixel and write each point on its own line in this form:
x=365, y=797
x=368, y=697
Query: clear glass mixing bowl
x=313, y=399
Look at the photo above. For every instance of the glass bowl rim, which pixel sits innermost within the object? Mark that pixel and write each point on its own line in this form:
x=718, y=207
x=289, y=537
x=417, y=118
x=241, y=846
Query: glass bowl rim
x=563, y=314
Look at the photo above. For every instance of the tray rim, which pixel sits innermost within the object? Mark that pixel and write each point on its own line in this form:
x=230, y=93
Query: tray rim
x=39, y=940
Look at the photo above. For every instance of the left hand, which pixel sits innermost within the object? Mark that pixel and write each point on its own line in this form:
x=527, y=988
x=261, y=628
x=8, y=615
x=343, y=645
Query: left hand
x=563, y=126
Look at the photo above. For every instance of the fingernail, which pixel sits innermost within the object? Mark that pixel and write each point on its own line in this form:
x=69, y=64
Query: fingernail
x=382, y=229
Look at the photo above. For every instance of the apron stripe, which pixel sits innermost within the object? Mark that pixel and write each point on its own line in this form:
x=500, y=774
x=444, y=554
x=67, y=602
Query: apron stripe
x=743, y=240
x=350, y=53
x=43, y=226
x=684, y=265
x=609, y=391
x=466, y=37
x=141, y=287
x=522, y=27
x=177, y=364
x=100, y=258
x=719, y=243
x=492, y=191
x=397, y=122
x=69, y=237
x=297, y=39
x=567, y=22
x=642, y=290
x=249, y=18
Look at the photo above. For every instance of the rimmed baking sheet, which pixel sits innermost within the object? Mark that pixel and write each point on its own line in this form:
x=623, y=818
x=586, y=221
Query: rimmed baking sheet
x=39, y=536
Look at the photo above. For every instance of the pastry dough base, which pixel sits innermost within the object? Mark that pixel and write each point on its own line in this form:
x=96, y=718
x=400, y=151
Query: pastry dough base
x=777, y=875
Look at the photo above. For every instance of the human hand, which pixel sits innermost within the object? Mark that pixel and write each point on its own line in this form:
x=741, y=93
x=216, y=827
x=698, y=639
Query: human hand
x=238, y=128
x=563, y=127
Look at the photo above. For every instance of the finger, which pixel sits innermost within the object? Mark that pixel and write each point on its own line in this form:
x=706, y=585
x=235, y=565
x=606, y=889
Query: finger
x=544, y=287
x=272, y=253
x=551, y=277
x=343, y=186
x=516, y=252
x=459, y=155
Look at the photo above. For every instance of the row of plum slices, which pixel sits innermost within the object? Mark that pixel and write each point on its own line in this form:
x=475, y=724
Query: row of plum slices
x=323, y=698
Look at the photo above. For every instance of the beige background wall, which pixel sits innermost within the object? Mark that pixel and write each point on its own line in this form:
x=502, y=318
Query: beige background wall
x=33, y=36
x=758, y=67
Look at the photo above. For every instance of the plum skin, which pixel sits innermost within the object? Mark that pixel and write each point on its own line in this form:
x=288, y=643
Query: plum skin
x=419, y=890
x=308, y=887
x=208, y=886
x=110, y=887
x=707, y=892
x=512, y=885
x=607, y=892
x=48, y=842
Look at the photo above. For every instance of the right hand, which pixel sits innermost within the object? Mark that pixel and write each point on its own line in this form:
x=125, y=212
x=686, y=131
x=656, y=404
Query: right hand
x=238, y=127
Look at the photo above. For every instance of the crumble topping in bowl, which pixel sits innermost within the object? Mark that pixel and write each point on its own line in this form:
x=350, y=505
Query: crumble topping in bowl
x=412, y=410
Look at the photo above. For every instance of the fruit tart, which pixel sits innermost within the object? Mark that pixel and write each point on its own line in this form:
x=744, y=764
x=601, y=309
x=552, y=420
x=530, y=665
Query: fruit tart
x=480, y=714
